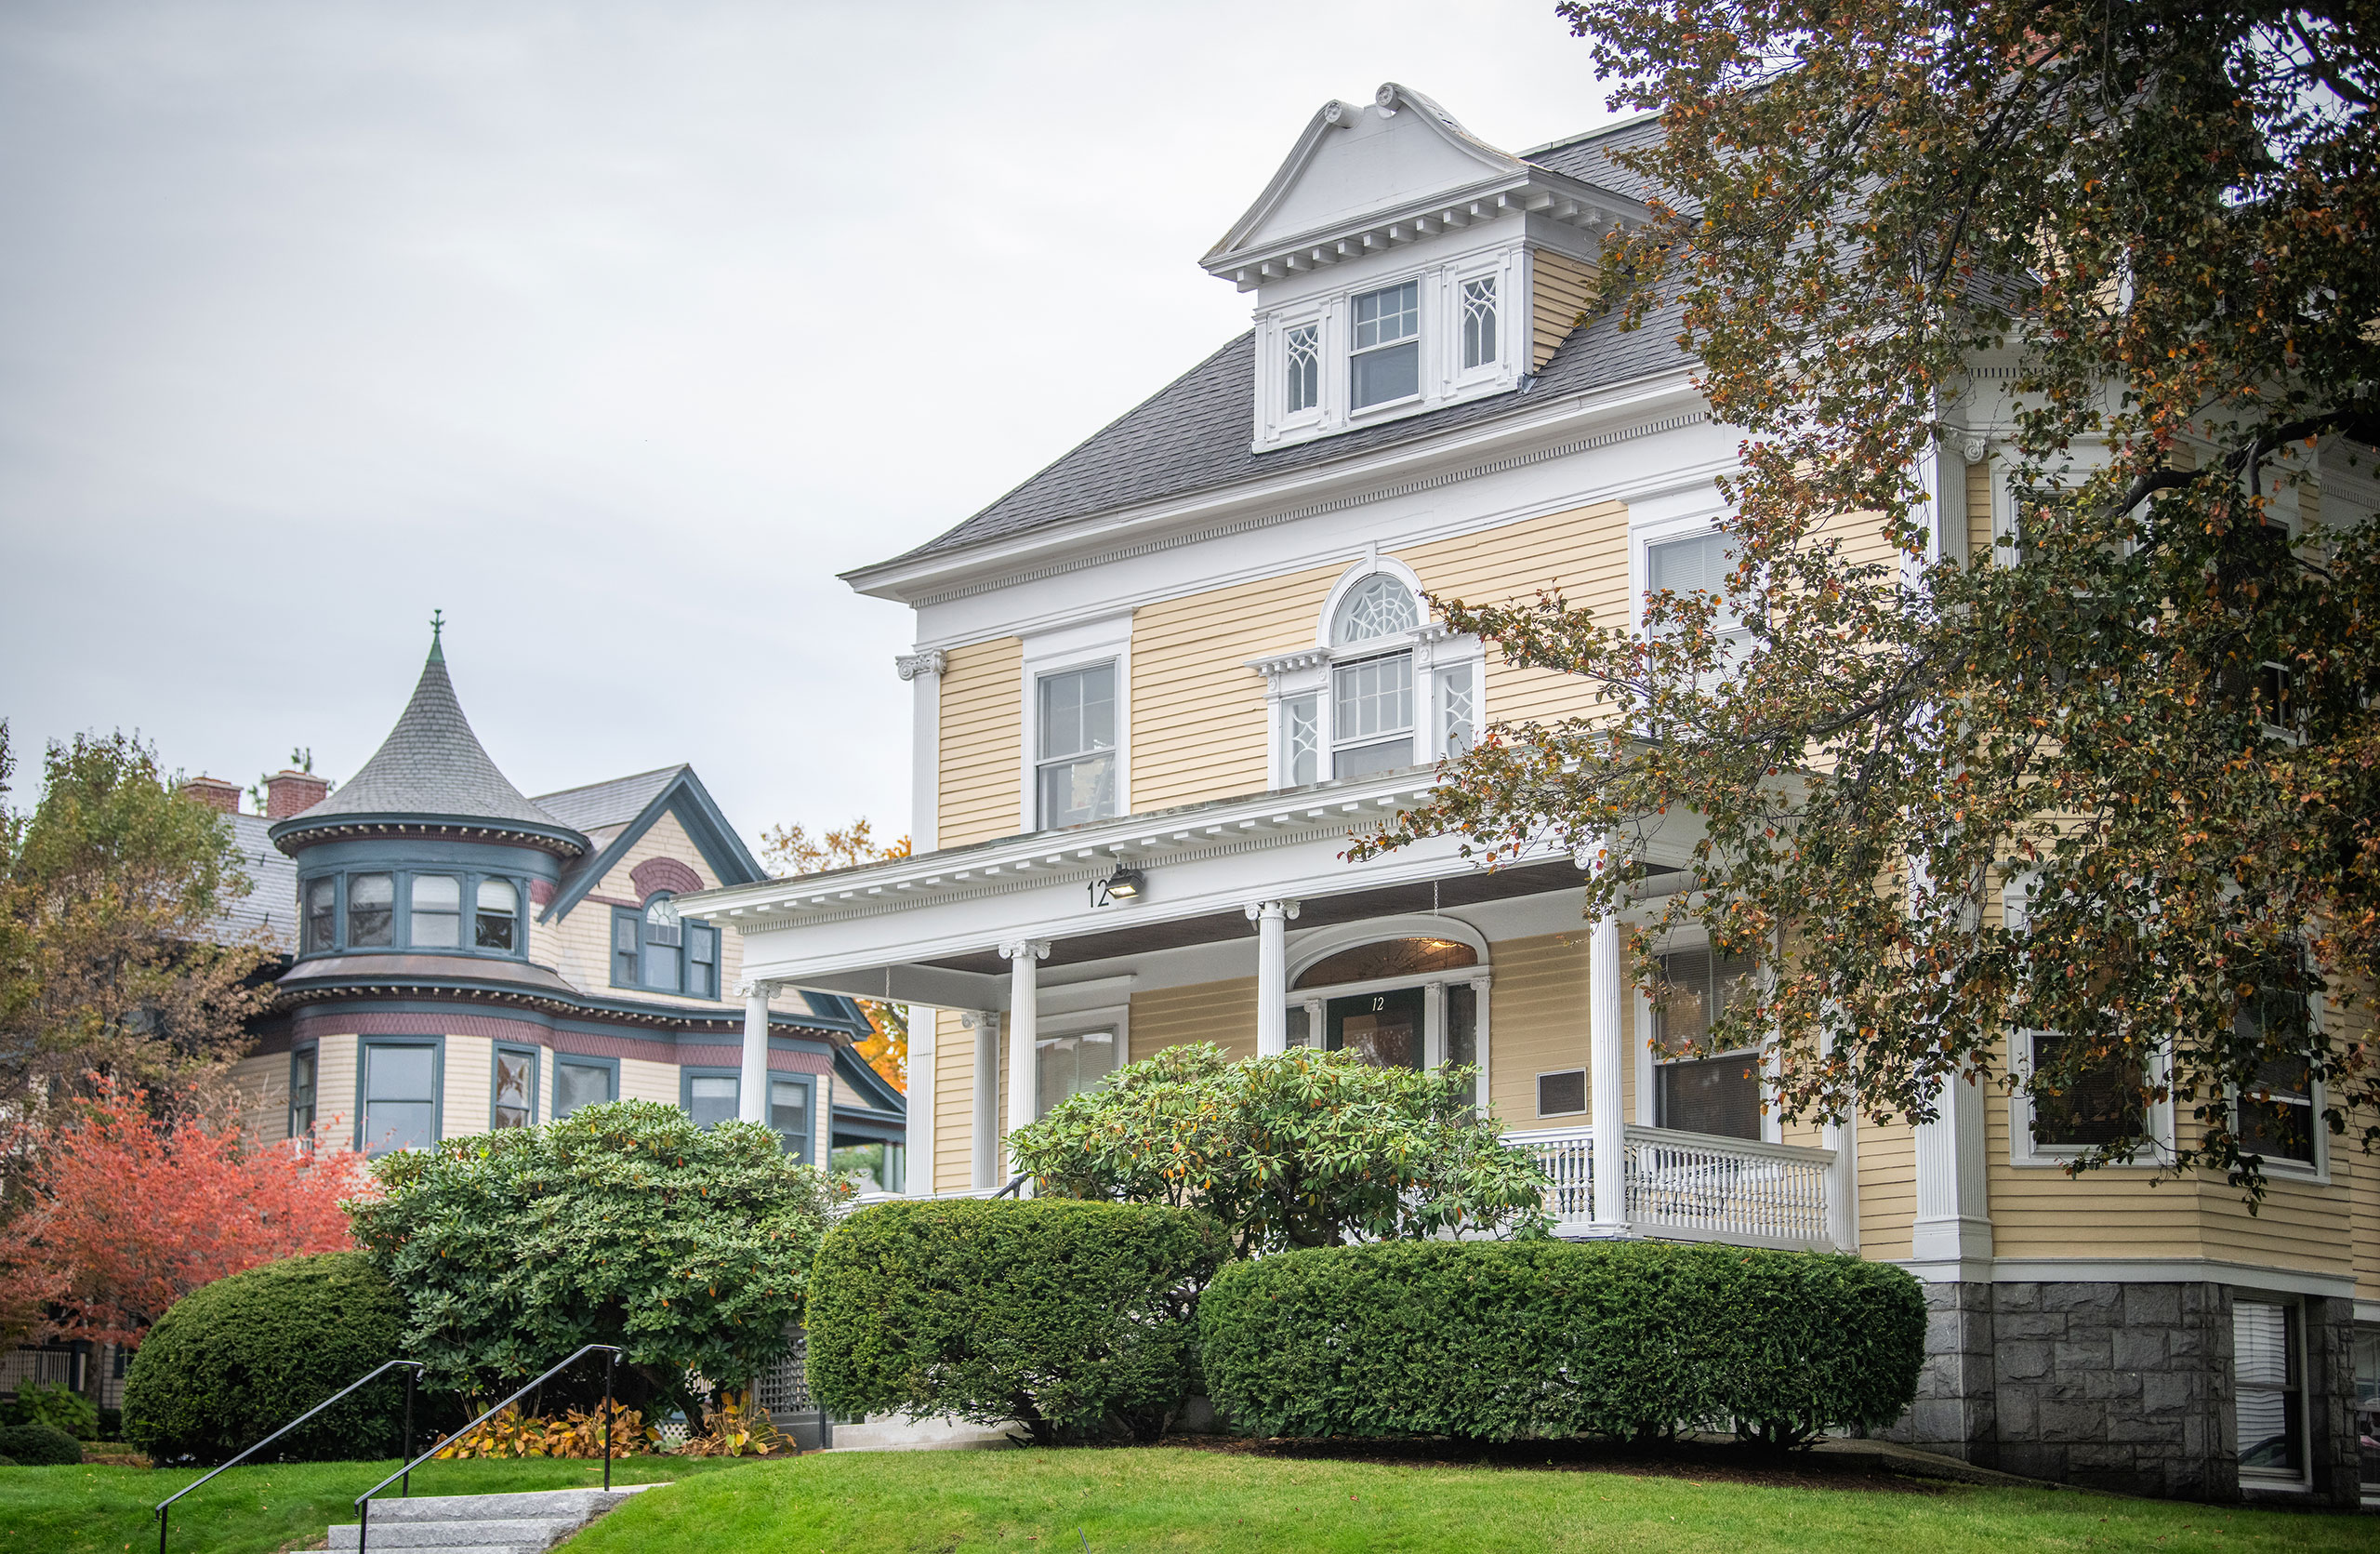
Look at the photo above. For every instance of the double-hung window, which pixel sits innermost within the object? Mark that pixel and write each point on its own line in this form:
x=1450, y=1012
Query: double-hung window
x=1384, y=355
x=1372, y=714
x=789, y=1115
x=711, y=1098
x=2276, y=1112
x=399, y=1096
x=2268, y=1390
x=302, y=1068
x=1715, y=1094
x=582, y=1083
x=322, y=914
x=1700, y=564
x=1068, y=1065
x=653, y=949
x=2096, y=1107
x=1075, y=747
x=496, y=924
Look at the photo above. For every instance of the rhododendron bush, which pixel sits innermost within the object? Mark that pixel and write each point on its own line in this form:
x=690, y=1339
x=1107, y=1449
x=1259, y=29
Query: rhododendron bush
x=131, y=1212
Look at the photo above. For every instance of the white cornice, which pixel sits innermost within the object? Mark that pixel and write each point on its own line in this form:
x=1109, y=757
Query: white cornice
x=1562, y=425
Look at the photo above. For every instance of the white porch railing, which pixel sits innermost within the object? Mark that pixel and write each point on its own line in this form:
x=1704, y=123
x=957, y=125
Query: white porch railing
x=1693, y=1186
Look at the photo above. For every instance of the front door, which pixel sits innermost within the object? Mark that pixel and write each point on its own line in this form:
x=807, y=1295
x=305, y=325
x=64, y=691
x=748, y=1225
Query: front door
x=1383, y=1029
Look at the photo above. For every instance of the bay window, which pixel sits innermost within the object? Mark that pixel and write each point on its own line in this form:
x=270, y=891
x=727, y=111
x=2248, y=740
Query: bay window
x=321, y=915
x=2268, y=1390
x=497, y=923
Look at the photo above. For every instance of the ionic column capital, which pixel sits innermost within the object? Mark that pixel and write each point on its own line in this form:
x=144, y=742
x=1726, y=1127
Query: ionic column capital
x=908, y=666
x=1259, y=910
x=763, y=991
x=1016, y=949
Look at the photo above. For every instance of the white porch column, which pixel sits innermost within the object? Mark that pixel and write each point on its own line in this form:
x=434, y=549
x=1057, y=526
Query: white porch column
x=923, y=671
x=1954, y=1210
x=983, y=1140
x=919, y=1102
x=1024, y=1029
x=752, y=1085
x=1272, y=974
x=1607, y=1078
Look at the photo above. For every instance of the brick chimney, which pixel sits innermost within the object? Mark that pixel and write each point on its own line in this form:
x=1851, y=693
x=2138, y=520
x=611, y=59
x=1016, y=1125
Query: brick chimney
x=214, y=793
x=287, y=794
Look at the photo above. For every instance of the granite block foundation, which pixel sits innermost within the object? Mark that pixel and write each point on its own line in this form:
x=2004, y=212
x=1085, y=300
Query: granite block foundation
x=2118, y=1386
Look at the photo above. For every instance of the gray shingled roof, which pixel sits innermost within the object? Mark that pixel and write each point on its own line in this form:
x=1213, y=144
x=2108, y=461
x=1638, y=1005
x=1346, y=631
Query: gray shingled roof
x=1193, y=434
x=432, y=765
x=601, y=805
x=272, y=905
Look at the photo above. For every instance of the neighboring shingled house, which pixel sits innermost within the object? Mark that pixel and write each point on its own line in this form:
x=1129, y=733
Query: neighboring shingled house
x=463, y=958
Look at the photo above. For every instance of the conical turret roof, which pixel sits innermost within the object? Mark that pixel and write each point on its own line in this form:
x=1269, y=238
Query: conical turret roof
x=433, y=767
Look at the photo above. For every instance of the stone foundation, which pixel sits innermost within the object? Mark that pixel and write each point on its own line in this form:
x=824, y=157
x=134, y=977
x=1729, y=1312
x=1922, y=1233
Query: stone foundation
x=2124, y=1387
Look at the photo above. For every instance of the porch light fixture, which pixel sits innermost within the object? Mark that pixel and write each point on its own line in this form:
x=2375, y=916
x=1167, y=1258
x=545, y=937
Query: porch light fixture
x=1126, y=884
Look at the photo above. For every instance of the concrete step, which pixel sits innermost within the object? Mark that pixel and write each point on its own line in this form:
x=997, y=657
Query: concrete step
x=530, y=1532
x=529, y=1523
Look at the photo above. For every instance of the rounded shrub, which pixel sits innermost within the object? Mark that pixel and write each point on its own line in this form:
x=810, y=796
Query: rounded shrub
x=1074, y=1318
x=1536, y=1340
x=39, y=1446
x=234, y=1360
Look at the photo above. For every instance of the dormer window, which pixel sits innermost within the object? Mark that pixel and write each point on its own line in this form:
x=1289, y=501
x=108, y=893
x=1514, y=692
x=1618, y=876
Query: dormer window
x=1384, y=358
x=1302, y=356
x=1479, y=323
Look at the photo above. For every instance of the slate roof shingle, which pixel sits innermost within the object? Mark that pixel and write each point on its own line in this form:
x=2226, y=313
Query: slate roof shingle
x=272, y=905
x=599, y=805
x=431, y=763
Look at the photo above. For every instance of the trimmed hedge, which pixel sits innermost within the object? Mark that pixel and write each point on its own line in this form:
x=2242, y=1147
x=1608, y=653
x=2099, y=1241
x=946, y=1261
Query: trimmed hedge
x=39, y=1446
x=1535, y=1340
x=234, y=1360
x=1074, y=1318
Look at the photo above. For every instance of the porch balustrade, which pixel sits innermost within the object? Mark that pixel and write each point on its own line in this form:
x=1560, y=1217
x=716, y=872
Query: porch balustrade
x=1692, y=1186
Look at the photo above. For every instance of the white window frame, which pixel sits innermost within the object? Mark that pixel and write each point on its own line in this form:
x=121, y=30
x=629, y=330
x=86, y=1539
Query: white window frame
x=1504, y=272
x=2317, y=1172
x=2157, y=1155
x=2265, y=1479
x=1319, y=944
x=1437, y=655
x=1649, y=1063
x=1056, y=1025
x=1424, y=359
x=1082, y=644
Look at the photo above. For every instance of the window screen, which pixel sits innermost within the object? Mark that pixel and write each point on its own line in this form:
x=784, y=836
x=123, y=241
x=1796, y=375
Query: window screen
x=710, y=1099
x=577, y=1084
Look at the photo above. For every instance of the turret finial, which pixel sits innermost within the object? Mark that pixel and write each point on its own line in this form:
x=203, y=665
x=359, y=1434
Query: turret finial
x=437, y=625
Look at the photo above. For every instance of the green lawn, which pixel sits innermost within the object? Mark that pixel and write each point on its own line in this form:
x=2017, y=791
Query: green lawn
x=1168, y=1498
x=255, y=1511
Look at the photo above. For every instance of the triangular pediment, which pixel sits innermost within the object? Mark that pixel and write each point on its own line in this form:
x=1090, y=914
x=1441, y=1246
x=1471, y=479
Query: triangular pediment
x=1353, y=163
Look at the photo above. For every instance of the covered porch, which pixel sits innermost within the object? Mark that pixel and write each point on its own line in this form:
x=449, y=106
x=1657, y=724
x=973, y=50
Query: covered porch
x=1035, y=964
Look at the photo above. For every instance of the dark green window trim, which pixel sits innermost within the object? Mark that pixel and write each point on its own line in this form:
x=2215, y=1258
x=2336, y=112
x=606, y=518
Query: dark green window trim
x=633, y=948
x=608, y=1067
x=365, y=1047
x=401, y=913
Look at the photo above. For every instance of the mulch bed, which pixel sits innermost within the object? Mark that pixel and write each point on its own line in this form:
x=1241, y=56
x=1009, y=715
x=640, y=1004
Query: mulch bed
x=1695, y=1461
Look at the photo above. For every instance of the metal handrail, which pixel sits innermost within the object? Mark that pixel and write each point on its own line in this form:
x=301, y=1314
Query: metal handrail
x=364, y=1501
x=1014, y=1186
x=412, y=1380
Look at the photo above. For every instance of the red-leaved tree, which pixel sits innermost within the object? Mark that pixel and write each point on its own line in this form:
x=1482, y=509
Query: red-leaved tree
x=130, y=1212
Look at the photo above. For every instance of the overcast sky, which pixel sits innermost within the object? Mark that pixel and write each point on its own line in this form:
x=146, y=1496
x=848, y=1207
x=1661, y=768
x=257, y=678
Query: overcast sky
x=615, y=331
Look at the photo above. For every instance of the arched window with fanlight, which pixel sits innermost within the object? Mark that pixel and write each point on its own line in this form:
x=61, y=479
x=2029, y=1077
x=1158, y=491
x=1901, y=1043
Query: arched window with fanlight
x=1371, y=695
x=653, y=949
